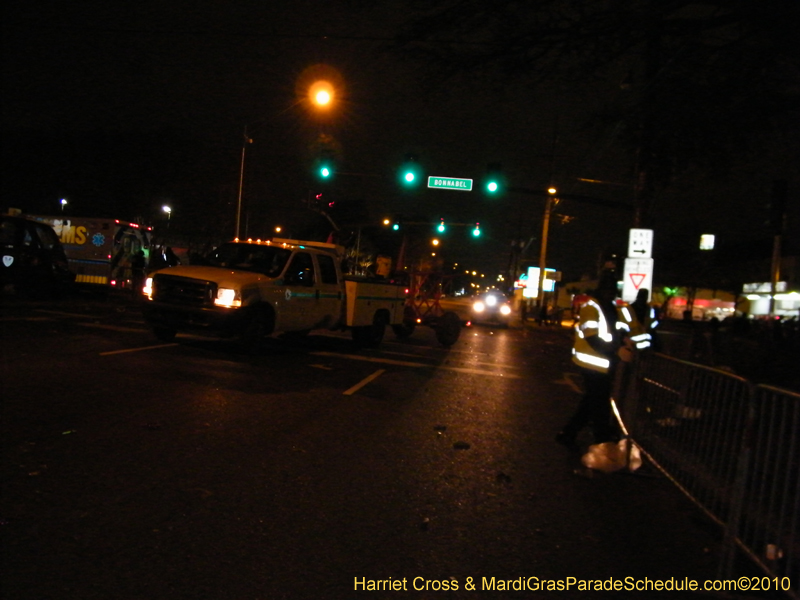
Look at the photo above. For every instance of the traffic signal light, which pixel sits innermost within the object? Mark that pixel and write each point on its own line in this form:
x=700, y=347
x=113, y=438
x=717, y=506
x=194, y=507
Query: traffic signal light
x=494, y=182
x=324, y=167
x=410, y=171
x=477, y=231
x=441, y=228
x=324, y=154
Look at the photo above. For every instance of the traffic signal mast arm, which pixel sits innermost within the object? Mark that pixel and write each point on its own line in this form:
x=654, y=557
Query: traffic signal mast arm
x=575, y=197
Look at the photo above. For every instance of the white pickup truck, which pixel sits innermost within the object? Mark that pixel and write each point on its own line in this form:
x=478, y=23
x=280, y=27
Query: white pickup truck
x=252, y=289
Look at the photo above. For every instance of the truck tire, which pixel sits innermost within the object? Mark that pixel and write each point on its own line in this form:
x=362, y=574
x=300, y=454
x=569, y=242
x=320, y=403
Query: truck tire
x=164, y=334
x=448, y=329
x=371, y=336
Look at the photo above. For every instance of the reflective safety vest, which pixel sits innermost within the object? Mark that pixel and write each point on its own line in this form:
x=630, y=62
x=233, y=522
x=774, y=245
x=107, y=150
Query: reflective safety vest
x=641, y=332
x=593, y=322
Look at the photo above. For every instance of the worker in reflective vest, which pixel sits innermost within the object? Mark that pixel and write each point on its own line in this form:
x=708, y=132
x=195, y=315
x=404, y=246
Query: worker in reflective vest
x=647, y=320
x=602, y=339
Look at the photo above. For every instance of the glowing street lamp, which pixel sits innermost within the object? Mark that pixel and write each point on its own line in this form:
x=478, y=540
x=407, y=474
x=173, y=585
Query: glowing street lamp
x=321, y=94
x=63, y=204
x=167, y=210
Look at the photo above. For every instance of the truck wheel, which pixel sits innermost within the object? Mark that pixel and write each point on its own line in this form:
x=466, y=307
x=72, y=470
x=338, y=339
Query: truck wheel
x=448, y=329
x=371, y=336
x=165, y=334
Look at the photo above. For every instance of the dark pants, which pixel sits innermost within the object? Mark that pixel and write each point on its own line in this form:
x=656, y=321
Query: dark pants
x=594, y=408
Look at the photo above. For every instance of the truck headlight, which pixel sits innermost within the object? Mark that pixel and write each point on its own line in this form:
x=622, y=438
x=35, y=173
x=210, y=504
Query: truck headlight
x=147, y=290
x=505, y=310
x=478, y=306
x=228, y=298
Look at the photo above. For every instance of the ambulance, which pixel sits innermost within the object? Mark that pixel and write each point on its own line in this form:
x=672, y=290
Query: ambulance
x=103, y=252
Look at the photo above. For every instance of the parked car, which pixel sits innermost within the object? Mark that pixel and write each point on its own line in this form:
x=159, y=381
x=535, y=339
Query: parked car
x=32, y=261
x=491, y=307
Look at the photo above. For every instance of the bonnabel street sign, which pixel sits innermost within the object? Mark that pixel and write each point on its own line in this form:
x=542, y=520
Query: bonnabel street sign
x=450, y=183
x=638, y=275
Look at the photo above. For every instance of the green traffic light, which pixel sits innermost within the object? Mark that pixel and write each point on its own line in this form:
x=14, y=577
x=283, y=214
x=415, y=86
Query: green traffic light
x=410, y=171
x=396, y=226
x=477, y=231
x=494, y=179
x=441, y=227
x=325, y=172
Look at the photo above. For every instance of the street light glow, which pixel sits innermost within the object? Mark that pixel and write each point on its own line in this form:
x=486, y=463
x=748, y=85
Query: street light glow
x=322, y=97
x=321, y=93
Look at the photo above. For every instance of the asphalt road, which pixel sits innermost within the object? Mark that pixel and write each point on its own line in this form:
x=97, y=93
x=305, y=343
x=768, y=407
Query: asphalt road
x=134, y=469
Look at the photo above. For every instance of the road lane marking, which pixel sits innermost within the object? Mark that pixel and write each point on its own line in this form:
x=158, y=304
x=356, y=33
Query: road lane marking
x=485, y=364
x=113, y=327
x=33, y=319
x=405, y=363
x=138, y=349
x=364, y=382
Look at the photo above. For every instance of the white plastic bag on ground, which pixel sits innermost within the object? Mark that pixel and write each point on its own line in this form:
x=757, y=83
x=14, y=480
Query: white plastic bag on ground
x=612, y=456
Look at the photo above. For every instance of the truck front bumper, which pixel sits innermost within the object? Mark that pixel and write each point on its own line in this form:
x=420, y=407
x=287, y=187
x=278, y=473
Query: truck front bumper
x=219, y=322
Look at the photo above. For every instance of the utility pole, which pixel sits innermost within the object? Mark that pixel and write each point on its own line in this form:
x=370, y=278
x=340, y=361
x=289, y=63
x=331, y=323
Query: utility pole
x=548, y=208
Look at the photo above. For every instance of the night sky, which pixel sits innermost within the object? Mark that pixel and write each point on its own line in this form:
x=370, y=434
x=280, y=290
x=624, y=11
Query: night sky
x=124, y=107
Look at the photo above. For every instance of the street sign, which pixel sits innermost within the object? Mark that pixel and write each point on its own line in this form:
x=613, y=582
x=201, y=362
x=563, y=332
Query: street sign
x=450, y=183
x=532, y=284
x=640, y=243
x=638, y=275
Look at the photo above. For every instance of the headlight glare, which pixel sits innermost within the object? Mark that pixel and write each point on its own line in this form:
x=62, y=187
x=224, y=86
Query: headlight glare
x=228, y=298
x=147, y=290
x=478, y=306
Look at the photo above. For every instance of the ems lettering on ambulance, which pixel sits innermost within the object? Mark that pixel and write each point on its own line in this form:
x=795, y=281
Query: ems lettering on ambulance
x=68, y=233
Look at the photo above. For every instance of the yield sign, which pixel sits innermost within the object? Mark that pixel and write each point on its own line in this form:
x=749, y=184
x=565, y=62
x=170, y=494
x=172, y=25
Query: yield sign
x=638, y=275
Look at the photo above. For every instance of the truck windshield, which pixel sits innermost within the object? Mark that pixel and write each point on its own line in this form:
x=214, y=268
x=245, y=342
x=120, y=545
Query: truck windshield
x=268, y=260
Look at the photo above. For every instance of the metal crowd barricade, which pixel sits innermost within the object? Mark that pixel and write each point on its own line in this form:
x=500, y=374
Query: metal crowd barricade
x=732, y=447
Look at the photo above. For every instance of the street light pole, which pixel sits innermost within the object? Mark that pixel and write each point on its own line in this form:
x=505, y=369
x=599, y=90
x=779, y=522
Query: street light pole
x=321, y=94
x=247, y=140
